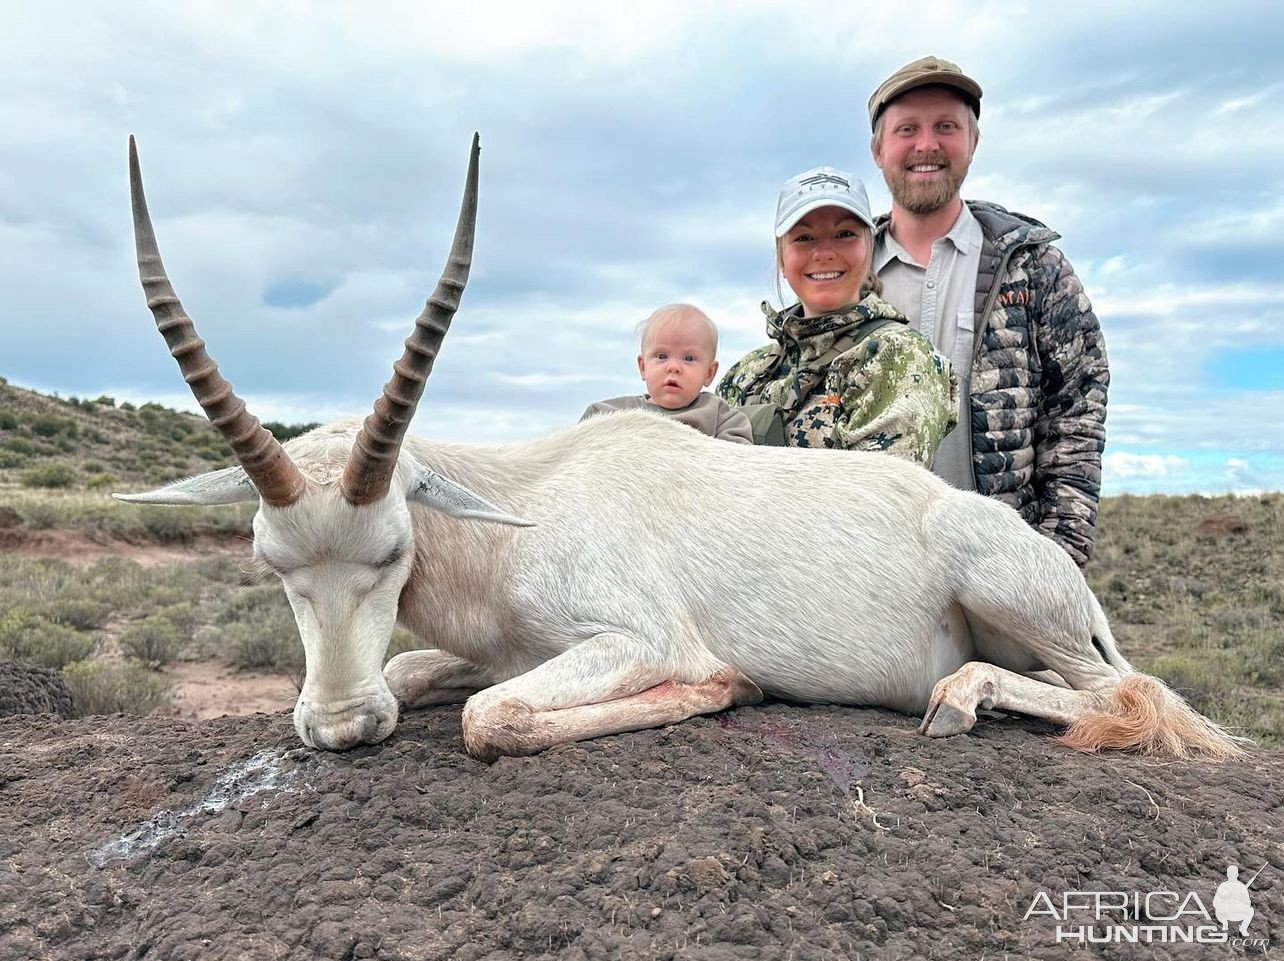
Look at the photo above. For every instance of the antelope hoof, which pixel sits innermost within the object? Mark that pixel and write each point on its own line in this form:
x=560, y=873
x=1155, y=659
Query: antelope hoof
x=945, y=720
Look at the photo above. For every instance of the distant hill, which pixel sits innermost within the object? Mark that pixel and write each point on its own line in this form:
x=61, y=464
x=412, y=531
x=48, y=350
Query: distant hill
x=84, y=443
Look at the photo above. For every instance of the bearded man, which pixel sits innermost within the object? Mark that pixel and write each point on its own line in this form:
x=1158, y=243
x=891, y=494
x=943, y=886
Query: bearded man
x=987, y=287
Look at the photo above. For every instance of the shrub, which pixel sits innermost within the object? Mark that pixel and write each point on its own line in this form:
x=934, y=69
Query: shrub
x=272, y=645
x=219, y=569
x=42, y=516
x=79, y=613
x=49, y=475
x=256, y=603
x=19, y=445
x=259, y=630
x=184, y=615
x=1265, y=664
x=154, y=640
x=26, y=636
x=46, y=426
x=284, y=432
x=105, y=401
x=101, y=482
x=106, y=687
x=10, y=459
x=167, y=525
x=8, y=421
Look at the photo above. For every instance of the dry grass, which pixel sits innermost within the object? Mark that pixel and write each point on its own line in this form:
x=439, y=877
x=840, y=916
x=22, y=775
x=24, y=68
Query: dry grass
x=1194, y=587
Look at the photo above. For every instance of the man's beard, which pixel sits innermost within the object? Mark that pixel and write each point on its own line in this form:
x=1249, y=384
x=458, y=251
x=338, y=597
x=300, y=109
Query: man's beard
x=922, y=197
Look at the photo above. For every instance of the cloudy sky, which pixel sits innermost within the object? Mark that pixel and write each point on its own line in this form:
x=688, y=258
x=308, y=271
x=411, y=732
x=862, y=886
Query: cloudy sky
x=304, y=163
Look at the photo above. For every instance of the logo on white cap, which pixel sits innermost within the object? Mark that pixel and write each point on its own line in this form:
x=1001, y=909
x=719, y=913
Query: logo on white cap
x=825, y=178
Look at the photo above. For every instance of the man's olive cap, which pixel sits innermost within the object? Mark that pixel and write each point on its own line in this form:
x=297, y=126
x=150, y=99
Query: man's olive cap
x=921, y=73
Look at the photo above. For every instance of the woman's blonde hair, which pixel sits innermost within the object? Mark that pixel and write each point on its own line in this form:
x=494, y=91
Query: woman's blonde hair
x=870, y=285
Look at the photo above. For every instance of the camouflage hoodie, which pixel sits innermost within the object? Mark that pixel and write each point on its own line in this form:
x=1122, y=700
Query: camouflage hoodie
x=1037, y=398
x=890, y=392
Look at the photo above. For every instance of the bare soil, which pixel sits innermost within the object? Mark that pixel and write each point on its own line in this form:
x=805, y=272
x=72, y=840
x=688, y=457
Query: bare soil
x=83, y=546
x=206, y=689
x=770, y=832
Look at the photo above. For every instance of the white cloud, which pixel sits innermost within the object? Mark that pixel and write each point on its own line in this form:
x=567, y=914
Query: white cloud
x=1237, y=104
x=1122, y=464
x=631, y=157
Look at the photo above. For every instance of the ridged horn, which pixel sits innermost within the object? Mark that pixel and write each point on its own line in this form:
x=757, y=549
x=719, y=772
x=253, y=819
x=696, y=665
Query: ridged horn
x=374, y=453
x=274, y=475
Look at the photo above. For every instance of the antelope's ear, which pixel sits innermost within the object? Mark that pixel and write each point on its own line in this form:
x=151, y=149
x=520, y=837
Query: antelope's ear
x=230, y=485
x=432, y=490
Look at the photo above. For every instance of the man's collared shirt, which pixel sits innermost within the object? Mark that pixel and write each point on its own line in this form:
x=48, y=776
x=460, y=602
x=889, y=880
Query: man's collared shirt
x=939, y=301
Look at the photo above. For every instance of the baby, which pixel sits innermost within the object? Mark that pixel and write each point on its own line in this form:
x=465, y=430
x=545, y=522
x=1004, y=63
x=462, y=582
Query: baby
x=677, y=362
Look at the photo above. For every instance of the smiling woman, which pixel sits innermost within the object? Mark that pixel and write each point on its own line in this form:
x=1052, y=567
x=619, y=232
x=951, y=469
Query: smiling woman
x=843, y=367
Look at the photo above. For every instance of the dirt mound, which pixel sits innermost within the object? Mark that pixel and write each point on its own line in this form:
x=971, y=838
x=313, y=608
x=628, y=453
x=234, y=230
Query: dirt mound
x=80, y=545
x=770, y=832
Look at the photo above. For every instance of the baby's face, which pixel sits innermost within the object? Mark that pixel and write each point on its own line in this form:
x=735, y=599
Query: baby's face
x=677, y=362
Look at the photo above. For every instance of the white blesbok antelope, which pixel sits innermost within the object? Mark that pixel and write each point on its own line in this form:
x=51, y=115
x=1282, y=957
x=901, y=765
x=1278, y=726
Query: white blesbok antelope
x=629, y=572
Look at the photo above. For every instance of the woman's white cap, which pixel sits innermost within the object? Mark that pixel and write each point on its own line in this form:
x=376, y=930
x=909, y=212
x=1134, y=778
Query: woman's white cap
x=820, y=187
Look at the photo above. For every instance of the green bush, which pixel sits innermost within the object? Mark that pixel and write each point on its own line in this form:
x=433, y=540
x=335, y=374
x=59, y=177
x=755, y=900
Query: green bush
x=26, y=636
x=184, y=615
x=106, y=687
x=220, y=569
x=46, y=426
x=19, y=445
x=155, y=640
x=168, y=525
x=9, y=459
x=284, y=432
x=102, y=482
x=266, y=646
x=8, y=421
x=79, y=613
x=257, y=603
x=258, y=630
x=1265, y=663
x=40, y=516
x=49, y=475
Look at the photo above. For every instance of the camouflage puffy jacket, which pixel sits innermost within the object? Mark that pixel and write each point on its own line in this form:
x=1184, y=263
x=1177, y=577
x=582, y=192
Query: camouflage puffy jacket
x=890, y=392
x=1037, y=398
